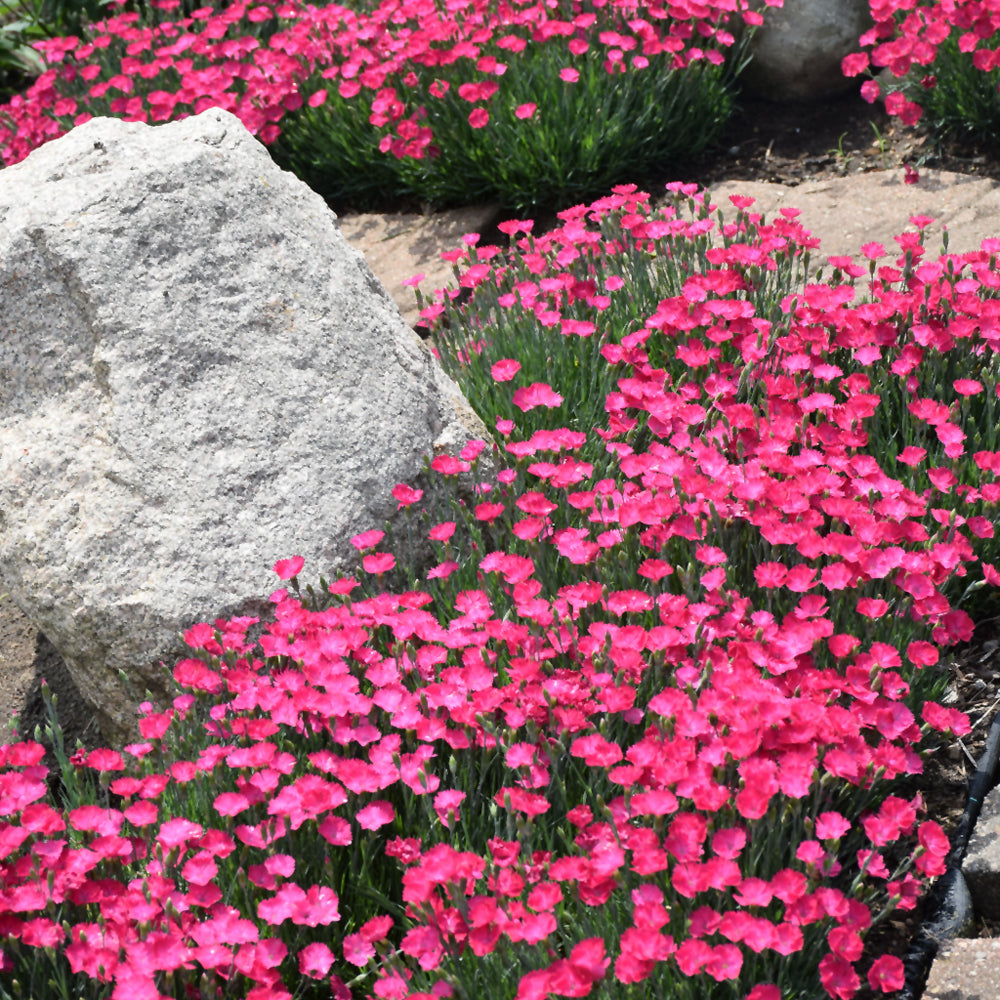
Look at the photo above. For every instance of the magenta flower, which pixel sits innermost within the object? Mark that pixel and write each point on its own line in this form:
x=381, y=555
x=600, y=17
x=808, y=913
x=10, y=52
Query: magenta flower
x=315, y=960
x=442, y=532
x=886, y=974
x=289, y=568
x=505, y=370
x=367, y=539
x=537, y=394
x=375, y=815
x=406, y=495
x=378, y=563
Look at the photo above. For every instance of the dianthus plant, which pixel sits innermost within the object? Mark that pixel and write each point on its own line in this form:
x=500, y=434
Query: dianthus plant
x=527, y=103
x=634, y=730
x=943, y=58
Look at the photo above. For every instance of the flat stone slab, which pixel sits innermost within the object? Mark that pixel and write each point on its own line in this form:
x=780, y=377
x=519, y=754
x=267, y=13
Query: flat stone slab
x=847, y=212
x=981, y=867
x=965, y=969
x=401, y=245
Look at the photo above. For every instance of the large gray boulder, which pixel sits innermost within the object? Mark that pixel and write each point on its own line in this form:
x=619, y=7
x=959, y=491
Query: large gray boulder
x=198, y=376
x=796, y=53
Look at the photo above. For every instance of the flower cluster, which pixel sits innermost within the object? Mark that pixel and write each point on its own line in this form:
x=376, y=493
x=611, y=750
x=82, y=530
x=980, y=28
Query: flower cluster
x=403, y=91
x=907, y=38
x=636, y=727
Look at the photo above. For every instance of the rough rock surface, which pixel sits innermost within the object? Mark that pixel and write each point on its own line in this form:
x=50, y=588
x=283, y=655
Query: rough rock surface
x=965, y=969
x=981, y=866
x=798, y=50
x=198, y=376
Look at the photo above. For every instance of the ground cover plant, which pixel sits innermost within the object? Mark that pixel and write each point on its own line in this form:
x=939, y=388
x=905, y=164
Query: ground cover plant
x=23, y=22
x=635, y=731
x=527, y=104
x=938, y=63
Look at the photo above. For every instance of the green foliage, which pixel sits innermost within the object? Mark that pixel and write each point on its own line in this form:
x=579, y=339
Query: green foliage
x=963, y=103
x=623, y=127
x=334, y=149
x=583, y=137
x=23, y=22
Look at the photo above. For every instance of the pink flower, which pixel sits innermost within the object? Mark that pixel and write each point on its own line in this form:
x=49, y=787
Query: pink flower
x=336, y=830
x=968, y=387
x=446, y=806
x=289, y=568
x=569, y=75
x=537, y=394
x=912, y=455
x=378, y=563
x=922, y=654
x=448, y=465
x=442, y=532
x=357, y=950
x=872, y=607
x=946, y=720
x=838, y=977
x=588, y=959
x=105, y=760
x=519, y=800
x=765, y=991
x=315, y=960
x=854, y=63
x=770, y=574
x=489, y=512
x=886, y=974
x=525, y=110
x=376, y=815
x=406, y=495
x=177, y=832
x=443, y=570
x=831, y=826
x=201, y=869
x=479, y=117
x=505, y=369
x=367, y=539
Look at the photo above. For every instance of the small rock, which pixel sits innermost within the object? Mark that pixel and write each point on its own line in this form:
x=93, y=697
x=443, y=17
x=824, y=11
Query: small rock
x=798, y=50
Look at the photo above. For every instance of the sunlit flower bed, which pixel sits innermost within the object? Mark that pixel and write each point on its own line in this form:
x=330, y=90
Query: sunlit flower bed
x=938, y=64
x=523, y=103
x=635, y=730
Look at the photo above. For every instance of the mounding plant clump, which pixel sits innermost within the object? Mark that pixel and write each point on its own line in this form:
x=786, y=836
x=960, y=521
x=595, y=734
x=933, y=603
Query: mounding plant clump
x=637, y=732
x=939, y=66
x=525, y=104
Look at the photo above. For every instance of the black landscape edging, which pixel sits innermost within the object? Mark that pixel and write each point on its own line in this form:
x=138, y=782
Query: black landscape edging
x=950, y=905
